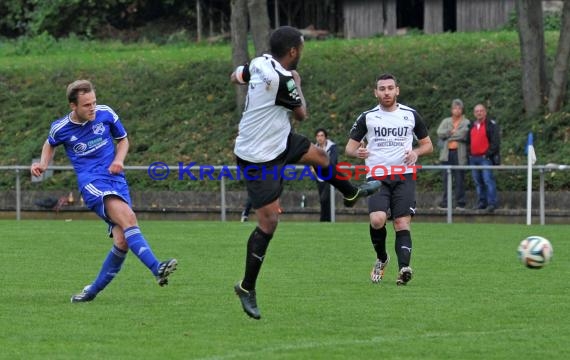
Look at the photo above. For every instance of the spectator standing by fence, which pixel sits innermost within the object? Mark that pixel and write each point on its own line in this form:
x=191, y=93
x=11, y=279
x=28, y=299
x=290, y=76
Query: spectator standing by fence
x=452, y=135
x=484, y=147
x=323, y=142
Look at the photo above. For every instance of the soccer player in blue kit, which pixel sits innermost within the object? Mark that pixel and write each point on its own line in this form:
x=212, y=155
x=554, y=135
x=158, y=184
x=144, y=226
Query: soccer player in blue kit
x=88, y=135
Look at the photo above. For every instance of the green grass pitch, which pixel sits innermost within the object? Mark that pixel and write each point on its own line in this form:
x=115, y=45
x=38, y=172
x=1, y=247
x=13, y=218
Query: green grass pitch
x=470, y=298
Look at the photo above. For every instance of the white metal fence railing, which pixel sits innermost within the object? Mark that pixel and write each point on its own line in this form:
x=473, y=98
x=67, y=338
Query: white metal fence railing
x=22, y=170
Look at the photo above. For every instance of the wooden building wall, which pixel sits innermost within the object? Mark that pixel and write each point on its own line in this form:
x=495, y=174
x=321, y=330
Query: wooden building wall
x=483, y=14
x=433, y=16
x=364, y=18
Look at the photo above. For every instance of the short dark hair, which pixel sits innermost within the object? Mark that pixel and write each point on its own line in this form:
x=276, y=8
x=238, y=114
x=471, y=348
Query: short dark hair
x=283, y=39
x=387, y=76
x=78, y=87
x=323, y=131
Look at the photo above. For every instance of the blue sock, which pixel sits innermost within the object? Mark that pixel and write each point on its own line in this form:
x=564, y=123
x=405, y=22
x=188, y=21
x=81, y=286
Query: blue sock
x=109, y=270
x=141, y=248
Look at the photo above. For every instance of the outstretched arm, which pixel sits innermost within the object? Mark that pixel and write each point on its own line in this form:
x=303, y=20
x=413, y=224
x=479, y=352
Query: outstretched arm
x=48, y=151
x=241, y=75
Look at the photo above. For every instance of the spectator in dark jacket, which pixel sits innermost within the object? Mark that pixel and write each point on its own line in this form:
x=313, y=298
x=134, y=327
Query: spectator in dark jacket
x=329, y=147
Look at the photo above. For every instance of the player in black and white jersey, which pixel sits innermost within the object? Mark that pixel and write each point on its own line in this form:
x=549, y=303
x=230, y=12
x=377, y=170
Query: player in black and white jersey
x=389, y=131
x=265, y=144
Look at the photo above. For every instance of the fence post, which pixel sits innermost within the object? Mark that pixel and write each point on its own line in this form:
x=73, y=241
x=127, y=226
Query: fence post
x=541, y=172
x=18, y=195
x=449, y=195
x=223, y=196
x=333, y=205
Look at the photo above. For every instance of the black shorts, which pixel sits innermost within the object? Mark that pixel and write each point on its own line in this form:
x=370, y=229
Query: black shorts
x=396, y=195
x=263, y=180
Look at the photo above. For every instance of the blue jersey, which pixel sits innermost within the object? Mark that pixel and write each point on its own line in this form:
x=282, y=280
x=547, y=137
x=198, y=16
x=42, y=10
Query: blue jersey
x=90, y=146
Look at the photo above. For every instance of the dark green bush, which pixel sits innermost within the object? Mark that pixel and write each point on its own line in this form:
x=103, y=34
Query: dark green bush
x=178, y=105
x=552, y=21
x=95, y=19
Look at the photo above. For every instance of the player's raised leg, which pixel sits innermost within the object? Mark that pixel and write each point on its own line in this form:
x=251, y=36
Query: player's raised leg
x=318, y=158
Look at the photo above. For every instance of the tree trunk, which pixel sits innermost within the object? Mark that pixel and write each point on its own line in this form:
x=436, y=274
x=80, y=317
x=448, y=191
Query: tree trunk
x=211, y=21
x=238, y=21
x=533, y=56
x=276, y=13
x=557, y=91
x=198, y=21
x=259, y=18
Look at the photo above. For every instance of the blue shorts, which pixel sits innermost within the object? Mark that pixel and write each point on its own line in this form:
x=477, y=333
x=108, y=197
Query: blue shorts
x=95, y=192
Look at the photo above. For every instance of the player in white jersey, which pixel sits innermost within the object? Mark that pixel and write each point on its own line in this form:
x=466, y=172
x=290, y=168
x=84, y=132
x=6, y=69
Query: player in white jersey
x=88, y=135
x=389, y=130
x=265, y=144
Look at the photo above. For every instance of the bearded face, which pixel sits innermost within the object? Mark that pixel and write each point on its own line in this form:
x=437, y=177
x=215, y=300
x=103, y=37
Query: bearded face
x=387, y=92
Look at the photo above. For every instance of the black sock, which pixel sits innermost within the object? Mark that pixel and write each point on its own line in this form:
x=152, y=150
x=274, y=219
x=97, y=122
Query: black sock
x=378, y=237
x=256, y=248
x=332, y=176
x=403, y=247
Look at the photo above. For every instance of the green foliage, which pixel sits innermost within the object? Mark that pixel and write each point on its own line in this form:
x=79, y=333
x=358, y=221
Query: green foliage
x=178, y=105
x=552, y=21
x=38, y=45
x=57, y=17
x=92, y=18
x=13, y=20
x=461, y=303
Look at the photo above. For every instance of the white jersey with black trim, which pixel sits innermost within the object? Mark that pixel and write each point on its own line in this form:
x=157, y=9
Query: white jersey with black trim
x=265, y=123
x=388, y=135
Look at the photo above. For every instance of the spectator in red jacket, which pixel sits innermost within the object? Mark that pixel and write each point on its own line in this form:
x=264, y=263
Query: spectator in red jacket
x=484, y=148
